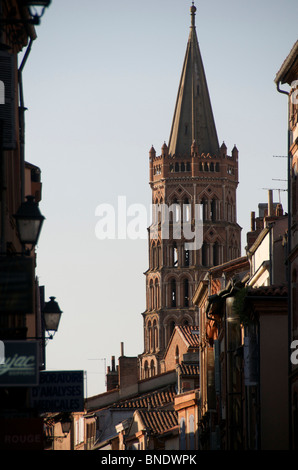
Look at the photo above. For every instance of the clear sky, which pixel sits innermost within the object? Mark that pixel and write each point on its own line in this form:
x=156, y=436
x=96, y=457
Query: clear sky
x=100, y=86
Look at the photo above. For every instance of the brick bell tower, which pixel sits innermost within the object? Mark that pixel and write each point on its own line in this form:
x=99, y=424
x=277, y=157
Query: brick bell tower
x=191, y=171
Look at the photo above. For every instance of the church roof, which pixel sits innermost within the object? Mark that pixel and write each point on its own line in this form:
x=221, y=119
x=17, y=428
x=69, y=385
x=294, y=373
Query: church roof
x=193, y=117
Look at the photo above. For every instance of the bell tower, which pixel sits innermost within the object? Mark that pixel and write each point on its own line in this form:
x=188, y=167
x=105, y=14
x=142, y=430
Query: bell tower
x=194, y=182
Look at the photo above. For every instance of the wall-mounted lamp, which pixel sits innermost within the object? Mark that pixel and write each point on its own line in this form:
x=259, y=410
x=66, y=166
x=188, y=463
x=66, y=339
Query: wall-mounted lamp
x=65, y=427
x=35, y=17
x=52, y=315
x=29, y=222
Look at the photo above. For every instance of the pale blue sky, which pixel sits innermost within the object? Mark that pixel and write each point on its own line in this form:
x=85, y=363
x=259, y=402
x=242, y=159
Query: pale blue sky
x=100, y=86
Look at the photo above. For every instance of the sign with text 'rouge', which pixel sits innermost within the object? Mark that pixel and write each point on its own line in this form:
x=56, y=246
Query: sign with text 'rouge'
x=59, y=391
x=21, y=433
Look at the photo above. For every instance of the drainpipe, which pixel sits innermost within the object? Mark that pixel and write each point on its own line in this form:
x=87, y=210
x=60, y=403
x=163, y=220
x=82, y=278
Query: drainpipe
x=289, y=248
x=22, y=110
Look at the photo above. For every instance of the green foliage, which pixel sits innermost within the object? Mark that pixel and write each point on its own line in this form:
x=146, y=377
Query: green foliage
x=240, y=306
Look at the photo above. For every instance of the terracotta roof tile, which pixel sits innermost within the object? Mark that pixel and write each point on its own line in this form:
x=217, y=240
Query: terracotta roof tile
x=192, y=339
x=155, y=399
x=189, y=369
x=159, y=421
x=269, y=291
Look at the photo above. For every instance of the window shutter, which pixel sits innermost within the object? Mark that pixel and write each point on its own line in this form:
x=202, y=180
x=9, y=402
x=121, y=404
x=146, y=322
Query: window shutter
x=7, y=99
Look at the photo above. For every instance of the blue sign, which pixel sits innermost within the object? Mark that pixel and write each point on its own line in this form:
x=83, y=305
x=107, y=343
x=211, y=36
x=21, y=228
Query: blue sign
x=59, y=391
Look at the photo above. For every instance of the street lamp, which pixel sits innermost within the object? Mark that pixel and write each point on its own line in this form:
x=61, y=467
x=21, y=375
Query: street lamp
x=66, y=425
x=29, y=222
x=43, y=4
x=52, y=315
x=34, y=17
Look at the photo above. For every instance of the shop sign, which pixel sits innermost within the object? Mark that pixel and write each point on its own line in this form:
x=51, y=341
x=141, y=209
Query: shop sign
x=21, y=434
x=59, y=391
x=19, y=366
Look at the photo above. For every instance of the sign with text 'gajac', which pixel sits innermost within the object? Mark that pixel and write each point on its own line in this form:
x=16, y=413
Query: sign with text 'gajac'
x=59, y=391
x=19, y=365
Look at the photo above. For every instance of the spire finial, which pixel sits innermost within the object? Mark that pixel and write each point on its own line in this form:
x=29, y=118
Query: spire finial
x=193, y=14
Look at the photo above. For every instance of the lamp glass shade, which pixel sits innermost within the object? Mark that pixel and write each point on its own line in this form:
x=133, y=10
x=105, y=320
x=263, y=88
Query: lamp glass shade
x=29, y=222
x=65, y=425
x=52, y=315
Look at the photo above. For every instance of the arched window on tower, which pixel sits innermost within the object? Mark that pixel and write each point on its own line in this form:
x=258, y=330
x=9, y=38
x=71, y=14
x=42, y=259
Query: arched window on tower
x=157, y=294
x=215, y=254
x=149, y=330
x=176, y=211
x=213, y=210
x=186, y=210
x=175, y=255
x=151, y=295
x=204, y=203
x=186, y=257
x=153, y=255
x=173, y=293
x=155, y=335
x=204, y=253
x=146, y=370
x=185, y=293
x=159, y=255
x=152, y=369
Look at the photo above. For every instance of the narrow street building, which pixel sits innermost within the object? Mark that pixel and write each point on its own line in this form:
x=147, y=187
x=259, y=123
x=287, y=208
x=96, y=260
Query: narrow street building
x=288, y=76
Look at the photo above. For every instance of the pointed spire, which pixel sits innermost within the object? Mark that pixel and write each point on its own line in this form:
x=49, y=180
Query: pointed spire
x=193, y=117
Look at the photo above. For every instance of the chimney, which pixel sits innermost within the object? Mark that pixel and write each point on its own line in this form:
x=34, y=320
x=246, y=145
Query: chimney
x=270, y=203
x=112, y=379
x=252, y=221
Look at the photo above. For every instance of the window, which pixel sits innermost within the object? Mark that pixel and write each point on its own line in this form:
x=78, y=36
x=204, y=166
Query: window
x=185, y=293
x=186, y=210
x=79, y=431
x=155, y=335
x=204, y=254
x=186, y=257
x=215, y=254
x=173, y=293
x=175, y=255
x=213, y=210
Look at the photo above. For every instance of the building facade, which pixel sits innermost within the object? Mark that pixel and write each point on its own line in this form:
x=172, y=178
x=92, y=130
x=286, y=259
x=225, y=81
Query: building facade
x=288, y=75
x=194, y=221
